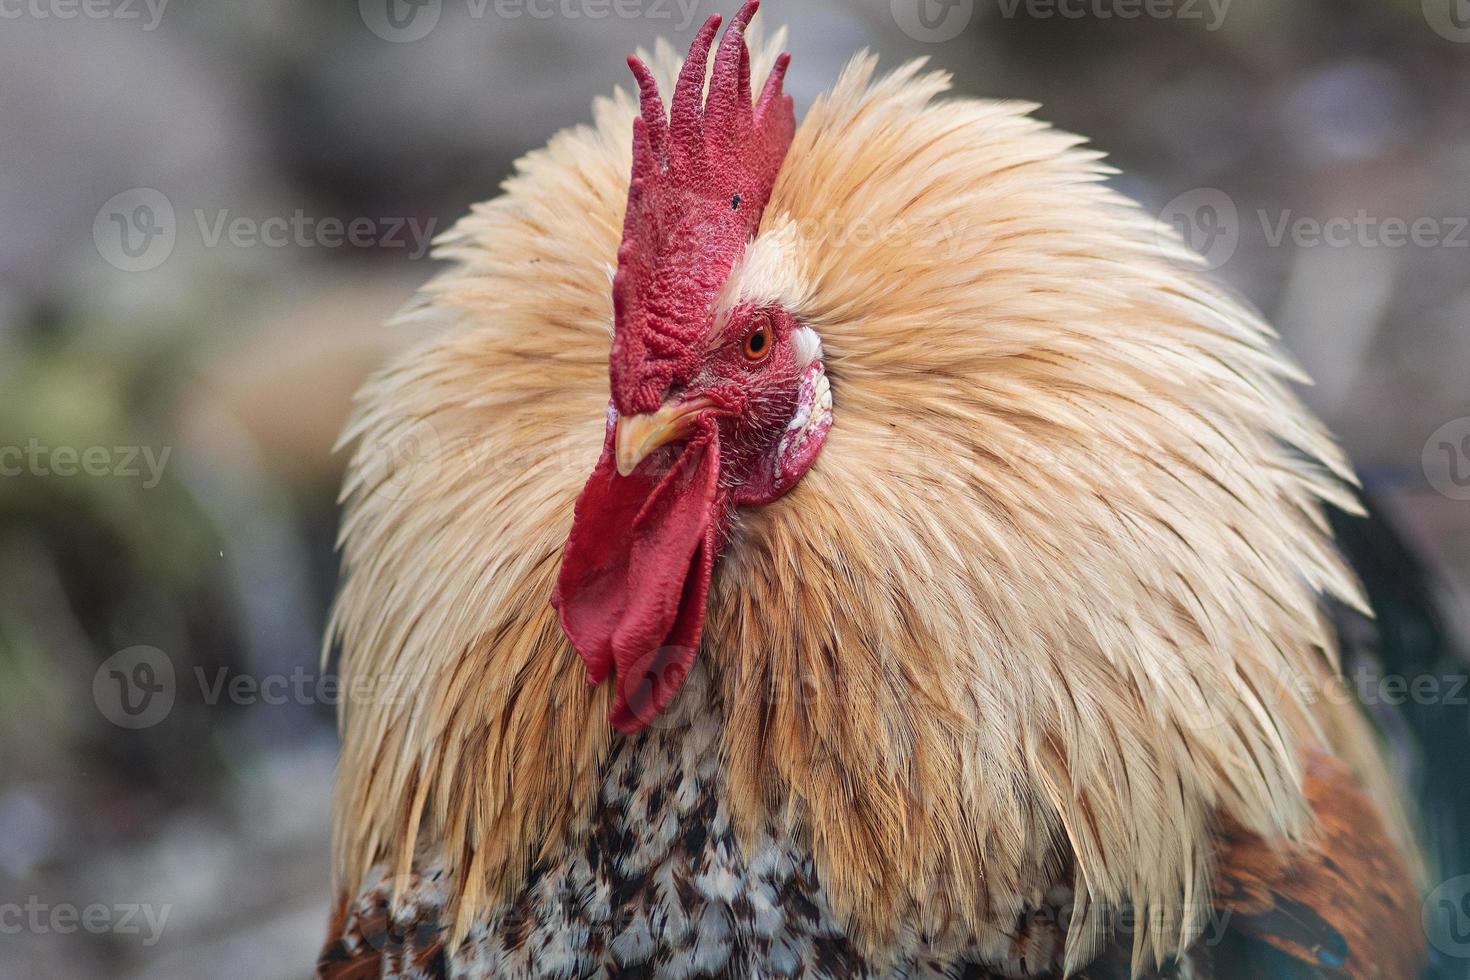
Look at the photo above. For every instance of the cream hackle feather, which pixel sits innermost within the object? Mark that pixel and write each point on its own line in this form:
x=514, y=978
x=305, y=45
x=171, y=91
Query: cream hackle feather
x=1049, y=601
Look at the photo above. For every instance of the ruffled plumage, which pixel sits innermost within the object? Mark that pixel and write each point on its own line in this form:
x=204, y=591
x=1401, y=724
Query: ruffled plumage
x=1049, y=601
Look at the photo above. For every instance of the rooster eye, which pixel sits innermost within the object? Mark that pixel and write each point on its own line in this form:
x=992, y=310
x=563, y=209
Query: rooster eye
x=758, y=342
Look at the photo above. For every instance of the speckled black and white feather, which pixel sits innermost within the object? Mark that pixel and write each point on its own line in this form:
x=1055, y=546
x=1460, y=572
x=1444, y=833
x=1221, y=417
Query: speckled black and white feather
x=660, y=888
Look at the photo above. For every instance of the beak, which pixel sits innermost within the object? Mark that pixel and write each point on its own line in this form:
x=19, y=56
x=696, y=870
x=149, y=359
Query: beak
x=639, y=435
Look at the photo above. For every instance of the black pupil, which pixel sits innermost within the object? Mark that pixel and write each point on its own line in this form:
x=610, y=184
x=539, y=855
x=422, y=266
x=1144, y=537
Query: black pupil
x=757, y=341
x=735, y=203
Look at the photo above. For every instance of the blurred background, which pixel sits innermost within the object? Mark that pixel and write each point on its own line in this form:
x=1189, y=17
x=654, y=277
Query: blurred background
x=210, y=208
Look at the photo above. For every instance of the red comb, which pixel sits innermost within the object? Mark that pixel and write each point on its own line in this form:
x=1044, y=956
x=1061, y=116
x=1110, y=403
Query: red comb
x=701, y=179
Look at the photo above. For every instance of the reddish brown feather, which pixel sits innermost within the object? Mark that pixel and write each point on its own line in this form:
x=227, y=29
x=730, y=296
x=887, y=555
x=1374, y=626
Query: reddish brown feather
x=338, y=960
x=373, y=945
x=1346, y=904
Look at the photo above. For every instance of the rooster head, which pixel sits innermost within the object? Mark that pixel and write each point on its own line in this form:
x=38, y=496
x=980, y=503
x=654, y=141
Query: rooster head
x=719, y=395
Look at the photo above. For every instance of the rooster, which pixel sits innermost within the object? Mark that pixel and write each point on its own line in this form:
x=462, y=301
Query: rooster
x=949, y=596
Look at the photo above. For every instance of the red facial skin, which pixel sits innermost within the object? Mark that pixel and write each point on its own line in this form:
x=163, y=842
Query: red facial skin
x=757, y=398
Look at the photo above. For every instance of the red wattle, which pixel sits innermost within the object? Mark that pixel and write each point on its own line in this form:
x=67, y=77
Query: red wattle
x=635, y=574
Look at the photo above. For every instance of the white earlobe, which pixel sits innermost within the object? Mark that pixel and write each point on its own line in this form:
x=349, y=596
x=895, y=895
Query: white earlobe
x=807, y=344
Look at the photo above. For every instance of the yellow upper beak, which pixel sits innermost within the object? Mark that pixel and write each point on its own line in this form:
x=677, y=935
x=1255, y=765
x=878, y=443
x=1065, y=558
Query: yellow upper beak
x=639, y=435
